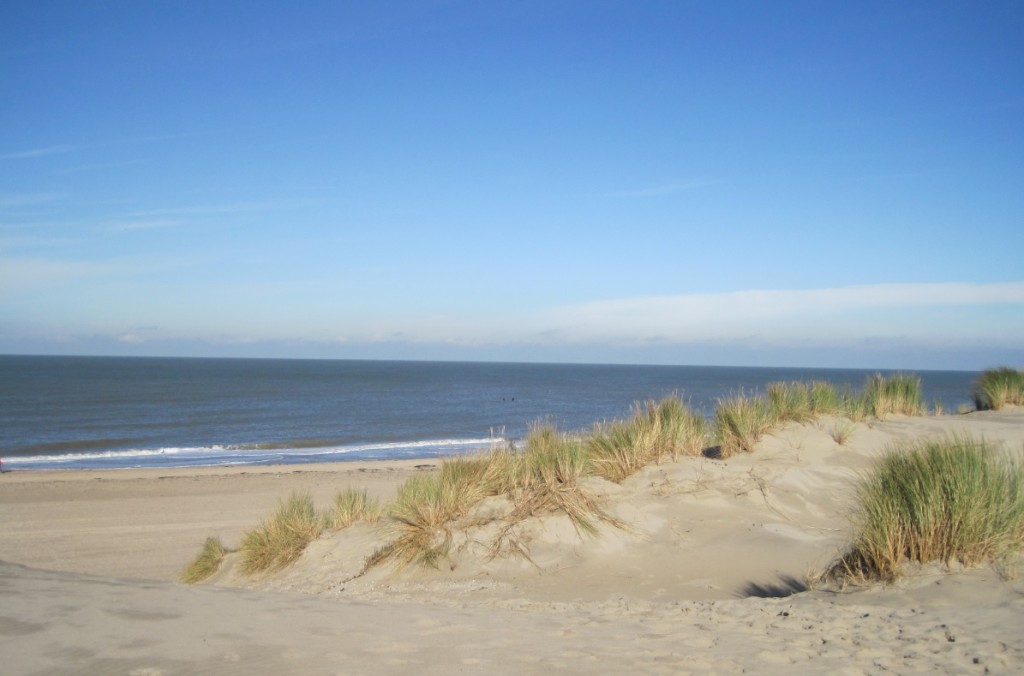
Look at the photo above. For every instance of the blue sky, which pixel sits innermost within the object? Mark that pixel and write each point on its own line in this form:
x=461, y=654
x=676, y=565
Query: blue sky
x=741, y=183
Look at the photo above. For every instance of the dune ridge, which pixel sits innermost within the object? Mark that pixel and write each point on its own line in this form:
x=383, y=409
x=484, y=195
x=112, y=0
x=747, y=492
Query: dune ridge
x=709, y=576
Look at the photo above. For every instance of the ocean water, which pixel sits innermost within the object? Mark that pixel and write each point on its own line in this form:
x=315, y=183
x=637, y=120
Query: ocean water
x=99, y=412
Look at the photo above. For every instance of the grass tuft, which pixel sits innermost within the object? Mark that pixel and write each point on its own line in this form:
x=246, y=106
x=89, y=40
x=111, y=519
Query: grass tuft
x=841, y=431
x=948, y=500
x=790, y=402
x=351, y=505
x=280, y=540
x=206, y=563
x=999, y=387
x=424, y=509
x=899, y=394
x=657, y=432
x=545, y=478
x=740, y=422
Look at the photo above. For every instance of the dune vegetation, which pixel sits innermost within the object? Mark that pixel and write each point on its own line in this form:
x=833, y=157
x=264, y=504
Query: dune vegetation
x=740, y=421
x=951, y=500
x=659, y=431
x=999, y=387
x=206, y=562
x=422, y=514
x=547, y=476
x=281, y=539
x=899, y=394
x=351, y=505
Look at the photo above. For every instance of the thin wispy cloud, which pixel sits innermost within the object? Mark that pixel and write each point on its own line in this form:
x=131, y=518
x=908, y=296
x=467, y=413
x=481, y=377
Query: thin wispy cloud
x=733, y=314
x=98, y=166
x=145, y=224
x=214, y=209
x=829, y=316
x=39, y=152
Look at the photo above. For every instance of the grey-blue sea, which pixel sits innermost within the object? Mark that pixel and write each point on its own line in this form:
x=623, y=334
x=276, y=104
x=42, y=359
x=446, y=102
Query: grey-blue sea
x=121, y=412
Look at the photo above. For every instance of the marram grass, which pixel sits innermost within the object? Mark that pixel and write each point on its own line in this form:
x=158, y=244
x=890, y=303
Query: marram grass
x=549, y=480
x=206, y=563
x=351, y=505
x=804, y=402
x=950, y=500
x=658, y=431
x=898, y=394
x=680, y=431
x=424, y=510
x=280, y=540
x=999, y=387
x=790, y=402
x=542, y=479
x=841, y=430
x=546, y=476
x=740, y=422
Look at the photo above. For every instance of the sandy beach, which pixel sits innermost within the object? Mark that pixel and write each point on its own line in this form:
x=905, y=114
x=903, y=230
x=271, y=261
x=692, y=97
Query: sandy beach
x=709, y=576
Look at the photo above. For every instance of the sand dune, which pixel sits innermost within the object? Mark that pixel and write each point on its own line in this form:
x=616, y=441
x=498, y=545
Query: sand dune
x=709, y=576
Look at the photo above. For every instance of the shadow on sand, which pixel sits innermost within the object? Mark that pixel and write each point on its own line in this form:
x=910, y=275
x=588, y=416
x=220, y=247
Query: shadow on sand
x=786, y=585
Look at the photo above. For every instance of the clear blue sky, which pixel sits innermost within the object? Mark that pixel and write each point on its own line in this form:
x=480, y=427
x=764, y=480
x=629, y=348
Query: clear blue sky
x=779, y=183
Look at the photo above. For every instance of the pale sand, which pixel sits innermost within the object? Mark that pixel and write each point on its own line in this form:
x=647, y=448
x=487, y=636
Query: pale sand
x=678, y=593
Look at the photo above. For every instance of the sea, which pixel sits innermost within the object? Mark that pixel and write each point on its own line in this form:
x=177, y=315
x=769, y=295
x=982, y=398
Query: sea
x=127, y=412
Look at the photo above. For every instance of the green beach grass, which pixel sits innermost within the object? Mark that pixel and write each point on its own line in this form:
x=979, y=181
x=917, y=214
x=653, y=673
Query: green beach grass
x=206, y=563
x=280, y=540
x=741, y=421
x=657, y=432
x=899, y=394
x=421, y=516
x=998, y=387
x=948, y=500
x=549, y=480
x=546, y=476
x=351, y=505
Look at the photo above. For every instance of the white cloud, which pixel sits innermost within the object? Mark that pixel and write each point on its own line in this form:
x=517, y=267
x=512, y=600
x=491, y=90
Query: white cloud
x=845, y=316
x=764, y=314
x=131, y=338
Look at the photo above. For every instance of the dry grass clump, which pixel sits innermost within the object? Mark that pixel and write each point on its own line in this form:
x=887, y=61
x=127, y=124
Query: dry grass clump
x=951, y=500
x=206, y=563
x=281, y=539
x=548, y=480
x=351, y=505
x=423, y=511
x=899, y=394
x=544, y=478
x=657, y=432
x=841, y=431
x=740, y=422
x=999, y=387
